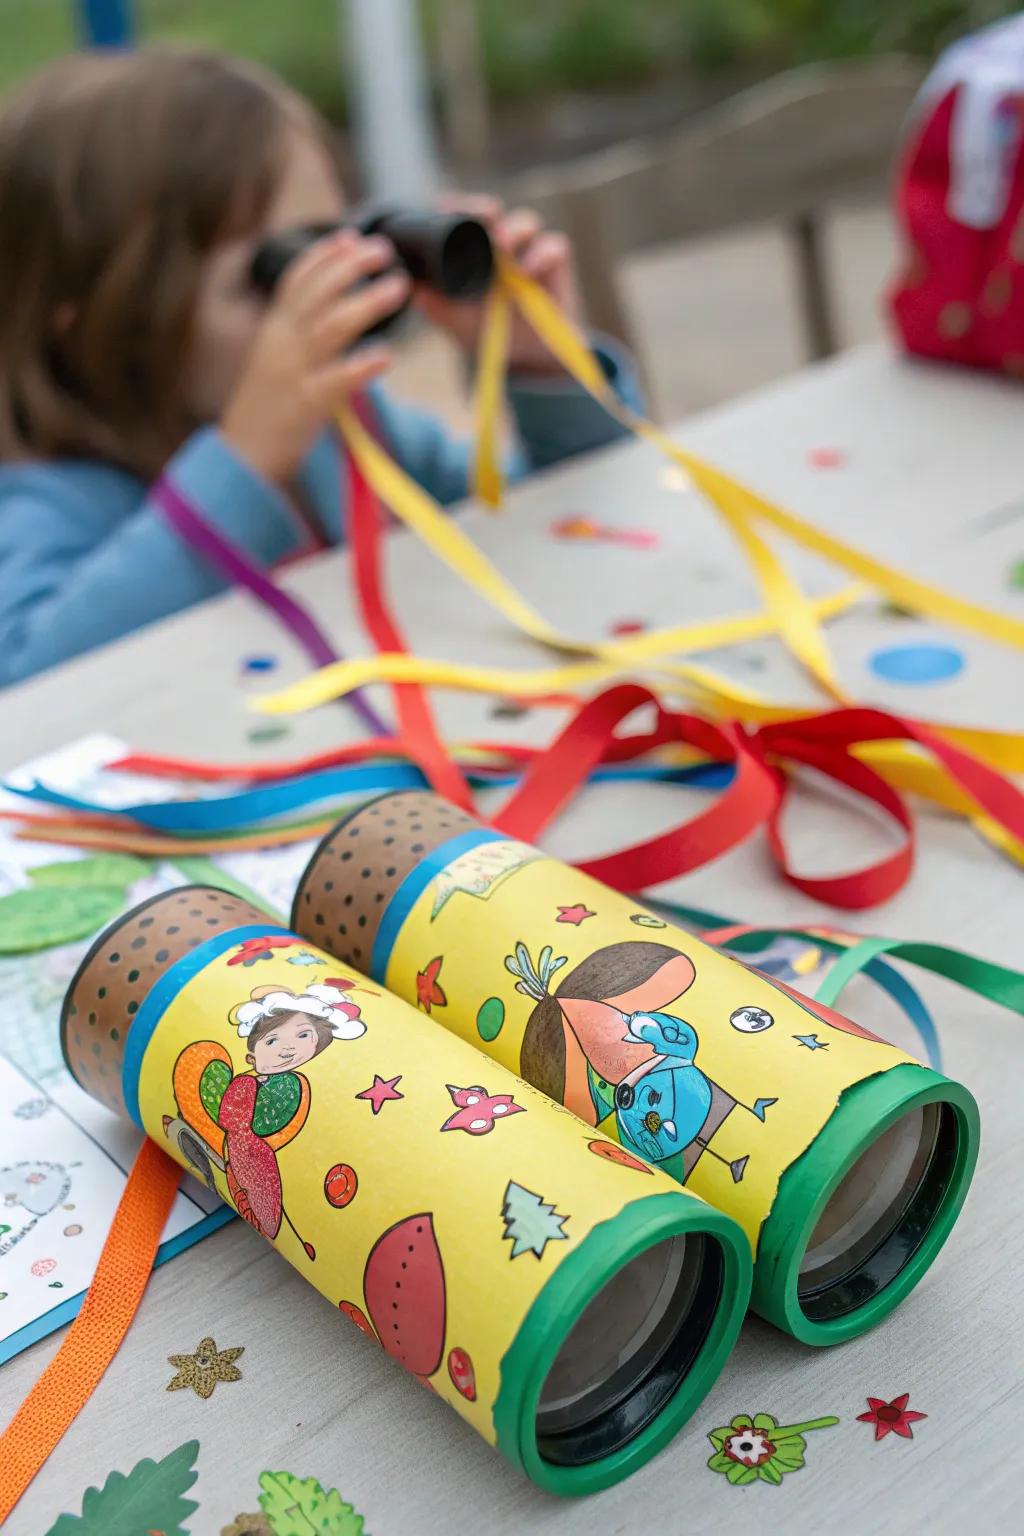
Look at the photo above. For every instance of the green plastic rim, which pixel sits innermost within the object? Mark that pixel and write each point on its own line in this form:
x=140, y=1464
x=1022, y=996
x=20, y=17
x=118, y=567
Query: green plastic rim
x=577, y=1280
x=864, y=1112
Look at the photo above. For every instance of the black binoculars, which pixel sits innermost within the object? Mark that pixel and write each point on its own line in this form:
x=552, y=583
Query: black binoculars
x=448, y=252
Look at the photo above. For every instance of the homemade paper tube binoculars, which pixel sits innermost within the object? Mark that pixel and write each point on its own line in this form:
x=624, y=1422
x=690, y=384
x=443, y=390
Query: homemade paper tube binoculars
x=844, y=1160
x=568, y=1301
x=448, y=252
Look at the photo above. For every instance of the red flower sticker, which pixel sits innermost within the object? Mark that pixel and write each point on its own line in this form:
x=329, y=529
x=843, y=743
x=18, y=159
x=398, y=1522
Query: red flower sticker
x=892, y=1417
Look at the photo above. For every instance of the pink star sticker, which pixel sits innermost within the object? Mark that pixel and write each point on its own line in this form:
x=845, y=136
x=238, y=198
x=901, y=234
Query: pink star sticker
x=380, y=1091
x=575, y=915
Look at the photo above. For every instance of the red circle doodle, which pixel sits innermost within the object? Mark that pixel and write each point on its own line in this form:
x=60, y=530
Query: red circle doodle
x=340, y=1185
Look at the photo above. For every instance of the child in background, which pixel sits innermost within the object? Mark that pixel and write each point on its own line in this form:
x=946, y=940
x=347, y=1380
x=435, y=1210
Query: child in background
x=134, y=190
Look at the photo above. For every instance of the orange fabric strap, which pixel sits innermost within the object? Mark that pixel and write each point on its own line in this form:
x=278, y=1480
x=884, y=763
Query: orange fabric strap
x=94, y=1337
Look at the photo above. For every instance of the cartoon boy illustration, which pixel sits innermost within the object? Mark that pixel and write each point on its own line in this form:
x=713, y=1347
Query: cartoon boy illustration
x=607, y=1041
x=245, y=1118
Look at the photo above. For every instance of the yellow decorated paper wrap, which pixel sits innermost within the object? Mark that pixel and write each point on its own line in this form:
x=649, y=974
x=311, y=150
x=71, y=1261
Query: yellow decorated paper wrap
x=716, y=1074
x=420, y=1187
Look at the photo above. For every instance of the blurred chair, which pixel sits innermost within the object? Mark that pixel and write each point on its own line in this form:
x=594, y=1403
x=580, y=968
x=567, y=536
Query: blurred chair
x=784, y=151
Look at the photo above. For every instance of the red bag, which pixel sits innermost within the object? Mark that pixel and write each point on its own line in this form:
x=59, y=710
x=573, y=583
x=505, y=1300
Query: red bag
x=960, y=205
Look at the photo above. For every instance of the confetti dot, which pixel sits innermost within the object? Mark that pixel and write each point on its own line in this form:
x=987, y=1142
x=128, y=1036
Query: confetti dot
x=826, y=458
x=44, y=1266
x=73, y=1230
x=672, y=478
x=575, y=527
x=917, y=664
x=260, y=733
x=628, y=627
x=1017, y=575
x=259, y=663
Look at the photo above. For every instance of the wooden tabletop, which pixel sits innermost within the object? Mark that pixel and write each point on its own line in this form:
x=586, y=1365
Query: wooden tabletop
x=928, y=477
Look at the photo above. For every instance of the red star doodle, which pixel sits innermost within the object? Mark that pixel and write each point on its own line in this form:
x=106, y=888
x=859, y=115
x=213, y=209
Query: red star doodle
x=380, y=1091
x=575, y=915
x=429, y=992
x=891, y=1417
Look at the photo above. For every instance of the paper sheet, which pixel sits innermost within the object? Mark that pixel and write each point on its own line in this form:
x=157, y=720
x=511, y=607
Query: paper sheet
x=48, y=1126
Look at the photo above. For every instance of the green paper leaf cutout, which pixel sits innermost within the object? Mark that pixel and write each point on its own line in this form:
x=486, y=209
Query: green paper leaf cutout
x=120, y=869
x=769, y=1473
x=150, y=1498
x=789, y=1454
x=43, y=917
x=765, y=1421
x=718, y=1437
x=295, y=1508
x=720, y=1462
x=738, y=1474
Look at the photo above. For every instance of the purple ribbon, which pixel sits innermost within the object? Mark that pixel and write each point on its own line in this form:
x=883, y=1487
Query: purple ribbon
x=238, y=568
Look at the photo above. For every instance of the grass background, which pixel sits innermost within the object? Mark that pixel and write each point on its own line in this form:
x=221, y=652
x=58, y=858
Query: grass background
x=532, y=47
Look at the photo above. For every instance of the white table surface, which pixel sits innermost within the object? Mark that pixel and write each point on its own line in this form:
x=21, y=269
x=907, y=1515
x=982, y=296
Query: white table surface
x=931, y=480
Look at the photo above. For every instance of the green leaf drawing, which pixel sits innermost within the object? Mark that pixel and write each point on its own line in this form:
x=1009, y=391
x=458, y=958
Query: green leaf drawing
x=44, y=916
x=120, y=869
x=150, y=1498
x=295, y=1508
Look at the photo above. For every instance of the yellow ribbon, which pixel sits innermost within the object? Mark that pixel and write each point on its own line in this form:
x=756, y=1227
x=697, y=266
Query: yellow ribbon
x=788, y=611
x=569, y=346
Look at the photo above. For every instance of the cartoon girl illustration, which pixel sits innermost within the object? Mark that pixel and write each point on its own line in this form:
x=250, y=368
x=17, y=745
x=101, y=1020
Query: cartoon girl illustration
x=604, y=1043
x=244, y=1119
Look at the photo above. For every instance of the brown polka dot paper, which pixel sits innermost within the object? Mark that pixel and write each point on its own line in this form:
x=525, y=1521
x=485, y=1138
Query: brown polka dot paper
x=123, y=965
x=346, y=887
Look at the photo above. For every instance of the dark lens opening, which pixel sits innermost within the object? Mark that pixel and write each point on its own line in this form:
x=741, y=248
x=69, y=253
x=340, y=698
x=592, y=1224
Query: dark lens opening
x=629, y=1351
x=467, y=261
x=275, y=254
x=879, y=1214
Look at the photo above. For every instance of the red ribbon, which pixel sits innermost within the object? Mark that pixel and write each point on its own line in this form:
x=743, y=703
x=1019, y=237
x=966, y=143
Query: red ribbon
x=590, y=738
x=417, y=728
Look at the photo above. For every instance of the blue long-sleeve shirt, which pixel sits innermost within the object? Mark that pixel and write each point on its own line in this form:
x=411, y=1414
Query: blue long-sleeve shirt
x=87, y=554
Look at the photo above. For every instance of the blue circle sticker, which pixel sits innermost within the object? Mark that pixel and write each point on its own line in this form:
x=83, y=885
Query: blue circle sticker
x=924, y=663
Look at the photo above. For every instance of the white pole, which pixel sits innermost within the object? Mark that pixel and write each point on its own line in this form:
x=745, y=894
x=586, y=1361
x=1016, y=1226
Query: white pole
x=388, y=81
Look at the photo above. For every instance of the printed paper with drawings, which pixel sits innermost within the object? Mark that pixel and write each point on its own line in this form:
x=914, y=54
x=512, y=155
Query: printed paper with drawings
x=58, y=1147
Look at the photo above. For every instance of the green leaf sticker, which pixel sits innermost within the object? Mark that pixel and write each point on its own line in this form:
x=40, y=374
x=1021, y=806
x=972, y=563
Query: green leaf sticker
x=40, y=918
x=150, y=1498
x=295, y=1508
x=120, y=869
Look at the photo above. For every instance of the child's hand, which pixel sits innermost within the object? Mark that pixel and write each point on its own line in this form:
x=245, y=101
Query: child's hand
x=543, y=255
x=298, y=372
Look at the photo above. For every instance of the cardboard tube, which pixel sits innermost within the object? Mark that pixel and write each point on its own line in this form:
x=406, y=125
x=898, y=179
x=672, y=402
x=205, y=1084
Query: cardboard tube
x=845, y=1160
x=570, y=1303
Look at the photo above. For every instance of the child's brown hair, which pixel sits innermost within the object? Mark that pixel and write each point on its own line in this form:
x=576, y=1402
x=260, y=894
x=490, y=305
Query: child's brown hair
x=118, y=173
x=324, y=1034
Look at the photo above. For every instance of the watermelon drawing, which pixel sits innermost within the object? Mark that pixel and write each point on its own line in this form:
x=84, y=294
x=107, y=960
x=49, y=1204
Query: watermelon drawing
x=405, y=1294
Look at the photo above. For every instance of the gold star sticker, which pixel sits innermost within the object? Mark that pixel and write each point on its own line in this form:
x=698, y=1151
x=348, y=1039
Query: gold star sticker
x=205, y=1368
